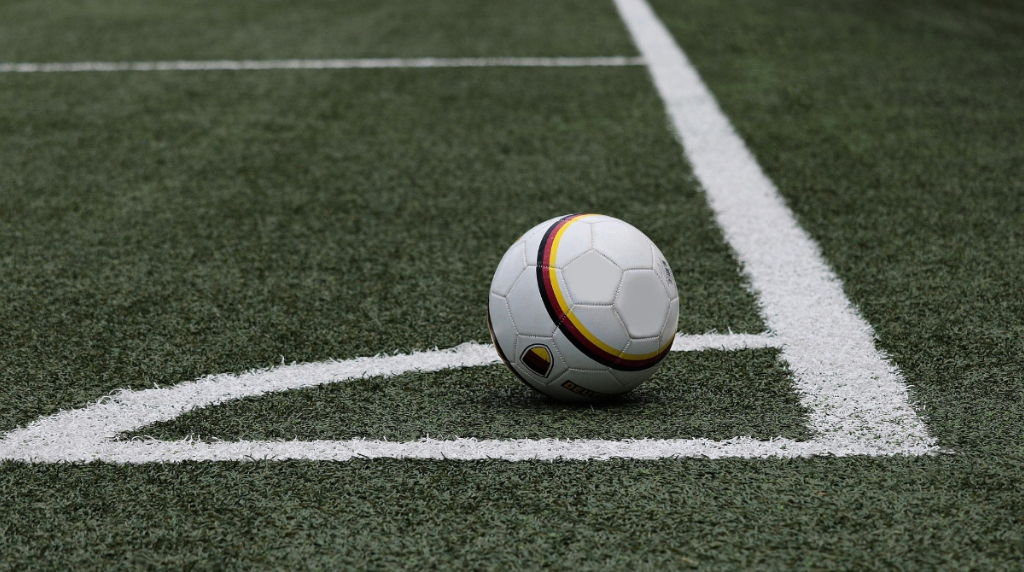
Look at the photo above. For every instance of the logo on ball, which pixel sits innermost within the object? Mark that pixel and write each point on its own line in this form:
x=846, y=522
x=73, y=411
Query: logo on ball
x=538, y=359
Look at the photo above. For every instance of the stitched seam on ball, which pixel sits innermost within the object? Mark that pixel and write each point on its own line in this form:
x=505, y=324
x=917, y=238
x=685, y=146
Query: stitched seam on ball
x=624, y=327
x=607, y=370
x=580, y=255
x=514, y=282
x=515, y=328
x=618, y=288
x=665, y=321
x=654, y=266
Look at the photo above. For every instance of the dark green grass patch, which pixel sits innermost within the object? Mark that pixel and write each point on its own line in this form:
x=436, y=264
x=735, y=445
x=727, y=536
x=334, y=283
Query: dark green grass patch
x=119, y=30
x=944, y=513
x=715, y=395
x=895, y=132
x=156, y=228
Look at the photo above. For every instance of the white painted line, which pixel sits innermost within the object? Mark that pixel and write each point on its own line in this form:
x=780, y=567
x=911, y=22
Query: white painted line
x=854, y=394
x=328, y=64
x=724, y=342
x=154, y=451
x=90, y=433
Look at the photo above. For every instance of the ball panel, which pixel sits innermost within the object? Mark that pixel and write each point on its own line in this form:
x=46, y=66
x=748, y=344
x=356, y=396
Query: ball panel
x=574, y=358
x=528, y=312
x=598, y=381
x=572, y=243
x=668, y=331
x=623, y=244
x=502, y=327
x=644, y=345
x=642, y=303
x=568, y=388
x=602, y=322
x=631, y=379
x=564, y=394
x=665, y=273
x=509, y=269
x=592, y=279
x=560, y=290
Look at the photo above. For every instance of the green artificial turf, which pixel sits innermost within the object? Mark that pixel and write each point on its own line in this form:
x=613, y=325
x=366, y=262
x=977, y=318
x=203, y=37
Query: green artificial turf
x=948, y=513
x=159, y=227
x=162, y=227
x=119, y=30
x=714, y=395
x=895, y=133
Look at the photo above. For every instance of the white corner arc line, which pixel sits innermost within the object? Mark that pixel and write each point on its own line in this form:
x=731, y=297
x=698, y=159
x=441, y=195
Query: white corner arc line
x=90, y=433
x=321, y=64
x=723, y=342
x=853, y=393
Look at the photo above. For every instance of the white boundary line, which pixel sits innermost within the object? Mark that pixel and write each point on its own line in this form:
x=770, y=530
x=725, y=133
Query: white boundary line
x=854, y=394
x=330, y=64
x=90, y=433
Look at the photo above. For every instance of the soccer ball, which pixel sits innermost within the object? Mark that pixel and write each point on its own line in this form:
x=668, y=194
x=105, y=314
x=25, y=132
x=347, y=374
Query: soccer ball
x=583, y=307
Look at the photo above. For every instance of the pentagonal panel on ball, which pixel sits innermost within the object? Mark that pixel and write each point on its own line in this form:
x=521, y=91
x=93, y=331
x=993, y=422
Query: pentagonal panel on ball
x=530, y=316
x=592, y=279
x=622, y=244
x=642, y=303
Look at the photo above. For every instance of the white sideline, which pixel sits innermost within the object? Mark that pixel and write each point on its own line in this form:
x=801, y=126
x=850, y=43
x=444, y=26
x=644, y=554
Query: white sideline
x=327, y=64
x=154, y=451
x=90, y=433
x=854, y=394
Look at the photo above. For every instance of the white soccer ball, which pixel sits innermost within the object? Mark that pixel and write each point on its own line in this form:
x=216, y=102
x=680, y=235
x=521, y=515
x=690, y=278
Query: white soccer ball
x=583, y=307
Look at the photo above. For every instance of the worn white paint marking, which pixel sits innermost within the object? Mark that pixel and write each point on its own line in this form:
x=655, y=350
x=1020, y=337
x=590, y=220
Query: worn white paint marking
x=854, y=394
x=329, y=64
x=91, y=433
x=723, y=342
x=154, y=451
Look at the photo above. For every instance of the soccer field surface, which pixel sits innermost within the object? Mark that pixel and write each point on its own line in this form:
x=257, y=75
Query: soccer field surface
x=245, y=250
